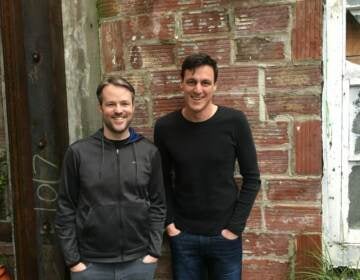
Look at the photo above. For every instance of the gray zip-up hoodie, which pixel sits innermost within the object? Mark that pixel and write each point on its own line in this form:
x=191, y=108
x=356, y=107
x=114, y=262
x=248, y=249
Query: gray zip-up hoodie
x=111, y=204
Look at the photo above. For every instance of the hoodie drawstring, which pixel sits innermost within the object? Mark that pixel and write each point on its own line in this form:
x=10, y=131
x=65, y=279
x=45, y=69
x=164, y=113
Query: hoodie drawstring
x=135, y=162
x=102, y=156
x=132, y=139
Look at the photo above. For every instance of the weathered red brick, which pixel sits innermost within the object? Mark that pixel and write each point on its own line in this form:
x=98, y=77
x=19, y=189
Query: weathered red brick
x=293, y=218
x=152, y=56
x=307, y=31
x=270, y=133
x=308, y=148
x=261, y=19
x=141, y=116
x=248, y=103
x=111, y=45
x=108, y=8
x=201, y=22
x=273, y=162
x=148, y=27
x=285, y=104
x=254, y=220
x=164, y=105
x=144, y=130
x=175, y=5
x=255, y=269
x=294, y=190
x=219, y=49
x=293, y=77
x=133, y=7
x=137, y=80
x=165, y=82
x=308, y=254
x=259, y=49
x=237, y=79
x=215, y=3
x=263, y=244
x=253, y=3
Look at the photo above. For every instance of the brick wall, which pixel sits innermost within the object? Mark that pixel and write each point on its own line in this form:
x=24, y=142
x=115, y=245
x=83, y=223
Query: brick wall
x=269, y=53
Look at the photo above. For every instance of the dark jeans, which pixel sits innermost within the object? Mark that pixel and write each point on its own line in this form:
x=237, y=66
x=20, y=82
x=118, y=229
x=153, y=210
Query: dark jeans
x=133, y=270
x=198, y=257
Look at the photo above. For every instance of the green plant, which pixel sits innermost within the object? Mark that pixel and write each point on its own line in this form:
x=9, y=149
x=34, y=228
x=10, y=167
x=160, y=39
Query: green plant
x=3, y=260
x=324, y=270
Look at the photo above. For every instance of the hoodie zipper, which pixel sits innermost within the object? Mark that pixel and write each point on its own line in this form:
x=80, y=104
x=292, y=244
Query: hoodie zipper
x=120, y=210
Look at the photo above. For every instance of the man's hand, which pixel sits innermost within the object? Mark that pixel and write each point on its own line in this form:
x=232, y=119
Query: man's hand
x=149, y=259
x=78, y=268
x=172, y=230
x=227, y=234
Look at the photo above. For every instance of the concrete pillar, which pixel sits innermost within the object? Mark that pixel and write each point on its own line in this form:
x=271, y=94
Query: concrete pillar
x=82, y=66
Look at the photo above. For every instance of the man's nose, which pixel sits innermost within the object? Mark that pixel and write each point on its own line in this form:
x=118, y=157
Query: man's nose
x=118, y=108
x=198, y=88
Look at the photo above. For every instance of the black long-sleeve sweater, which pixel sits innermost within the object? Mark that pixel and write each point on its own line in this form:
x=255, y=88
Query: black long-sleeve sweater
x=198, y=160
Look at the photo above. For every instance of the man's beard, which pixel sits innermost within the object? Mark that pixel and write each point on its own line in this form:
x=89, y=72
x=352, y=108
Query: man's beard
x=112, y=128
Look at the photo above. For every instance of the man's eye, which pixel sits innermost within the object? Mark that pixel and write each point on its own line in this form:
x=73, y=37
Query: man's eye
x=206, y=83
x=191, y=83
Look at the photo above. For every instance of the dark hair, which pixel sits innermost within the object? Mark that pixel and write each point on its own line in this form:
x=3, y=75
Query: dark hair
x=194, y=61
x=115, y=81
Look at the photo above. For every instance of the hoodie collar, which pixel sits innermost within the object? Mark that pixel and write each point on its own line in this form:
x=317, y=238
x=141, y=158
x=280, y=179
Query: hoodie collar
x=134, y=136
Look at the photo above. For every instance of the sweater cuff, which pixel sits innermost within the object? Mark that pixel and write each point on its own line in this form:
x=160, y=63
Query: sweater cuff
x=153, y=255
x=236, y=228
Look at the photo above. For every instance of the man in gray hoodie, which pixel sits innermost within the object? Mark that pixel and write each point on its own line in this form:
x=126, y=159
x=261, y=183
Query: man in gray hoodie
x=111, y=206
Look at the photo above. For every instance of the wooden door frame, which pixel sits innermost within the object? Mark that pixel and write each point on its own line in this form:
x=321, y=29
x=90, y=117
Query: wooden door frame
x=19, y=135
x=36, y=109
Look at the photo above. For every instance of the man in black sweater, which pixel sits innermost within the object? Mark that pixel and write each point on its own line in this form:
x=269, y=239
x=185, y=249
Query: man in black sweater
x=199, y=145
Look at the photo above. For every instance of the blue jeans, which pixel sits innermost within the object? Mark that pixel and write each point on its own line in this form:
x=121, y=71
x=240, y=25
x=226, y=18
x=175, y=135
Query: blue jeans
x=133, y=270
x=198, y=257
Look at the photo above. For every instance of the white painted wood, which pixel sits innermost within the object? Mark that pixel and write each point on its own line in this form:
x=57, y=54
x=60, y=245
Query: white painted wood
x=333, y=57
x=341, y=244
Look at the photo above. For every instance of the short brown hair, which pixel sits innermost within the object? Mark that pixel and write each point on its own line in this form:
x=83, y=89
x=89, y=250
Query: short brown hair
x=115, y=81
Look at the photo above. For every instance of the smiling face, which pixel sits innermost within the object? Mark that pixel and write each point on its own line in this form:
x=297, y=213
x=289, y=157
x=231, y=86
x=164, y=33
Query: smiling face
x=199, y=86
x=117, y=110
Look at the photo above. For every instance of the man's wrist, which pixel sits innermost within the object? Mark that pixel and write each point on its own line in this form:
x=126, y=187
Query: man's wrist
x=78, y=267
x=228, y=234
x=150, y=259
x=74, y=264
